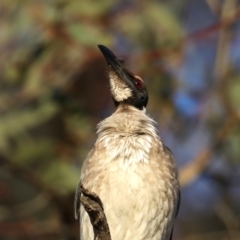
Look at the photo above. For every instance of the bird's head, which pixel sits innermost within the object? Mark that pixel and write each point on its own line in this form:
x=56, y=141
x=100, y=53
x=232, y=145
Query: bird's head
x=125, y=87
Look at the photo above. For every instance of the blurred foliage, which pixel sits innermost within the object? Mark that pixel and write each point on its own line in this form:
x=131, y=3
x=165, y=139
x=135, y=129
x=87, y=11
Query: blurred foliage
x=234, y=90
x=50, y=45
x=150, y=26
x=54, y=90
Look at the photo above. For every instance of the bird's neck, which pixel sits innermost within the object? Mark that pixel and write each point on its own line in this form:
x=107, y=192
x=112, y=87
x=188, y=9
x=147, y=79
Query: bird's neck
x=128, y=120
x=128, y=135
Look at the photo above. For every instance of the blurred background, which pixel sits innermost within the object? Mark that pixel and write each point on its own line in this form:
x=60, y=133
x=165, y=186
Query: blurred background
x=54, y=90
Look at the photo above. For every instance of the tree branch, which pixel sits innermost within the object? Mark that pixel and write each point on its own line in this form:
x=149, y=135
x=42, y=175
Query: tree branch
x=94, y=207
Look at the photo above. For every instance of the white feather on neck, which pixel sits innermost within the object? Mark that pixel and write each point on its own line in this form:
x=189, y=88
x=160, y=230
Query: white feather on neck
x=119, y=90
x=127, y=135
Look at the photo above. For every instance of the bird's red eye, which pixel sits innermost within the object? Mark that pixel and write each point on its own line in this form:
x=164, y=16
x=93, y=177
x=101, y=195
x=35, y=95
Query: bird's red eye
x=139, y=83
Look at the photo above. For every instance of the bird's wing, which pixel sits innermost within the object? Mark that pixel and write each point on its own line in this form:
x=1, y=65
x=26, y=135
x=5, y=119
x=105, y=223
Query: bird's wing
x=178, y=205
x=179, y=202
x=169, y=153
x=77, y=201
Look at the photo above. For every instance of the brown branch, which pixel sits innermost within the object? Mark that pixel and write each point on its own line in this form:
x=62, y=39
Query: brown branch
x=228, y=217
x=214, y=5
x=230, y=18
x=222, y=59
x=93, y=205
x=191, y=171
x=194, y=36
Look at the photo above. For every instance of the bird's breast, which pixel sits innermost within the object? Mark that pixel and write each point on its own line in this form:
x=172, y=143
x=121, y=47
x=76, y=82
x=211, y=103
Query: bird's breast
x=129, y=176
x=127, y=148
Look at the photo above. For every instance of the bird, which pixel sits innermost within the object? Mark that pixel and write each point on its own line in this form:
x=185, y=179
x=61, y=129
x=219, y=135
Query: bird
x=129, y=168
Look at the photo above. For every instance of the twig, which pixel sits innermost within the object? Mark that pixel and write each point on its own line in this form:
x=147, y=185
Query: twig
x=228, y=217
x=214, y=5
x=191, y=171
x=93, y=205
x=222, y=58
x=199, y=164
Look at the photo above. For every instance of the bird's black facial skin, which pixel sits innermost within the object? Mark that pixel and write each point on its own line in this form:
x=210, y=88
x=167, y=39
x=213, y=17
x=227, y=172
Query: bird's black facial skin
x=137, y=102
x=139, y=98
x=140, y=94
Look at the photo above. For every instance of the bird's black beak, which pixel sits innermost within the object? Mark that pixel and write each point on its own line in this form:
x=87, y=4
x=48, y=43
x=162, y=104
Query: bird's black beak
x=124, y=85
x=115, y=63
x=111, y=59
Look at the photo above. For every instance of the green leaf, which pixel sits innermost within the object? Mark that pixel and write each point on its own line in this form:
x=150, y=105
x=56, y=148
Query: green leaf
x=234, y=90
x=61, y=176
x=152, y=25
x=89, y=35
x=89, y=9
x=17, y=122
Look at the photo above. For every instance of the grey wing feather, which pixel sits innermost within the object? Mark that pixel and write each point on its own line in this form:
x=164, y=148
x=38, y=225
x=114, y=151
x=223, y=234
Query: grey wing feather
x=179, y=202
x=178, y=206
x=168, y=151
x=77, y=202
